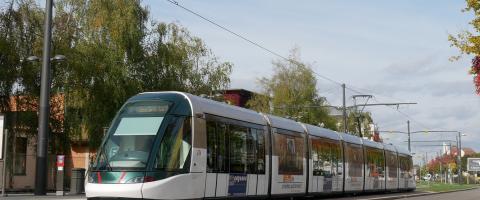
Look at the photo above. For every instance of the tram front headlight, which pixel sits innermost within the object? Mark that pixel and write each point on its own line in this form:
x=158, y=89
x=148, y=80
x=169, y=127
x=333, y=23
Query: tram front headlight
x=141, y=179
x=138, y=179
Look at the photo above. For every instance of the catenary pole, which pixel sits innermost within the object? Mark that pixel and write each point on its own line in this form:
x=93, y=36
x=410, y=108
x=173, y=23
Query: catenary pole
x=408, y=128
x=44, y=111
x=344, y=109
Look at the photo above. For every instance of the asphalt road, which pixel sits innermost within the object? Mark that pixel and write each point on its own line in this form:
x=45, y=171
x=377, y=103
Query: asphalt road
x=463, y=195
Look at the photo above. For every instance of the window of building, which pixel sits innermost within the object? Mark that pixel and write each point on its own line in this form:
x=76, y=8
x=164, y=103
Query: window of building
x=20, y=159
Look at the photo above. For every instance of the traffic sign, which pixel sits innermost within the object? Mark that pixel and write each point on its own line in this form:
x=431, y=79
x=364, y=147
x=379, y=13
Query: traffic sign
x=473, y=164
x=2, y=142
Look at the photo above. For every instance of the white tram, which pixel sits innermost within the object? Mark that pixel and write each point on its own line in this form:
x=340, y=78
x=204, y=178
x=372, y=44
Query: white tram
x=173, y=145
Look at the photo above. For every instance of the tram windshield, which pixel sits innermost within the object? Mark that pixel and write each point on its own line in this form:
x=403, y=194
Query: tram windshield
x=132, y=135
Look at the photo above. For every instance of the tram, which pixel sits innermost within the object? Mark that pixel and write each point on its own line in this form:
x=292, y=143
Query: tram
x=174, y=145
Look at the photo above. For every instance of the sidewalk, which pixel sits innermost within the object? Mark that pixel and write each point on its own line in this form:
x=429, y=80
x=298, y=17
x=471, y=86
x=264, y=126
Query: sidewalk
x=29, y=196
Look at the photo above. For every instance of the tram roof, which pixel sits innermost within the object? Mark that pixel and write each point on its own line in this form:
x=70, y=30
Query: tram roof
x=403, y=151
x=373, y=144
x=390, y=147
x=350, y=138
x=321, y=132
x=203, y=105
x=287, y=124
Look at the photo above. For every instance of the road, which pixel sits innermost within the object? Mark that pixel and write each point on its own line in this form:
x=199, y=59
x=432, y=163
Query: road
x=463, y=195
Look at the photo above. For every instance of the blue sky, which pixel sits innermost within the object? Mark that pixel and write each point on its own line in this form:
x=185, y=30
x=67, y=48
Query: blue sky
x=397, y=50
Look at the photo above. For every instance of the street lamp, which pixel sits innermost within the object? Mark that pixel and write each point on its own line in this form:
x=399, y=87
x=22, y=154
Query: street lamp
x=44, y=106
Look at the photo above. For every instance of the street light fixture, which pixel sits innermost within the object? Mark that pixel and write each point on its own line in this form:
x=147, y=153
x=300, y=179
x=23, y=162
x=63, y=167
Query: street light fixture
x=56, y=58
x=33, y=59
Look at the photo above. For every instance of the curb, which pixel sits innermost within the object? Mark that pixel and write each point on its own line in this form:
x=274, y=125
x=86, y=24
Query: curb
x=404, y=196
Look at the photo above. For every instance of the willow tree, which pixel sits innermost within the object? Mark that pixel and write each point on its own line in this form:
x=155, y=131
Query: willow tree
x=468, y=42
x=292, y=92
x=114, y=50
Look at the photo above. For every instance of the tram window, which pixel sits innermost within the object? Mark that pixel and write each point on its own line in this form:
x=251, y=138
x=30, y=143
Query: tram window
x=391, y=164
x=354, y=158
x=289, y=149
x=222, y=154
x=405, y=167
x=375, y=162
x=337, y=160
x=326, y=157
x=238, y=148
x=251, y=150
x=174, y=152
x=212, y=147
x=260, y=152
x=217, y=154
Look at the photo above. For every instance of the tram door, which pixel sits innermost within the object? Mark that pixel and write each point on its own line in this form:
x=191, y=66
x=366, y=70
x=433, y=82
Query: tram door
x=232, y=159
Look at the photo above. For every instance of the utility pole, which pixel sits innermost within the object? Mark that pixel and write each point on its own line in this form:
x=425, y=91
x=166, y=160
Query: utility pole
x=408, y=127
x=344, y=109
x=44, y=111
x=459, y=153
x=357, y=113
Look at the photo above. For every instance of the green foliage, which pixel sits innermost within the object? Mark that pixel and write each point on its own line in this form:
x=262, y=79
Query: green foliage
x=364, y=118
x=292, y=92
x=469, y=42
x=113, y=49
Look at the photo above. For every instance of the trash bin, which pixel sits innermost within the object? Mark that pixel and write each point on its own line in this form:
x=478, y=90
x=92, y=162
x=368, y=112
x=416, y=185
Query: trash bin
x=77, y=181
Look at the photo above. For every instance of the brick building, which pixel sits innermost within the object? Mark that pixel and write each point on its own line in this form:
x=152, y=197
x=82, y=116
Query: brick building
x=21, y=121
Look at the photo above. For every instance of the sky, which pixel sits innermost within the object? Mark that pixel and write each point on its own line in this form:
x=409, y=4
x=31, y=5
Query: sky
x=397, y=51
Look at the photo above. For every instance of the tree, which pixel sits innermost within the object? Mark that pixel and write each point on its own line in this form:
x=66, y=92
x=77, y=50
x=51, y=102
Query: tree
x=292, y=93
x=364, y=118
x=114, y=50
x=469, y=42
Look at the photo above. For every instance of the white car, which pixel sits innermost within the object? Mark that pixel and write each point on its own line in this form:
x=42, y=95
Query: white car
x=427, y=177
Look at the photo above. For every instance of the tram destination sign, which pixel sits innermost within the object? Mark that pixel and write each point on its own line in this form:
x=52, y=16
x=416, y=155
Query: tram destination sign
x=473, y=164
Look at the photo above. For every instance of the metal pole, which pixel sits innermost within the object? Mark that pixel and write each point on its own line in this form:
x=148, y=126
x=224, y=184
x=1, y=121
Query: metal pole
x=408, y=127
x=44, y=111
x=344, y=110
x=4, y=163
x=459, y=168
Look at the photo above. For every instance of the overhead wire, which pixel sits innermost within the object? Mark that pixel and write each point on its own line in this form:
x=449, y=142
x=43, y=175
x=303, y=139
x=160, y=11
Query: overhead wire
x=249, y=41
x=283, y=57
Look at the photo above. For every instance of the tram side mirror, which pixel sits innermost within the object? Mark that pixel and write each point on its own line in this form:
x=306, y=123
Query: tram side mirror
x=105, y=130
